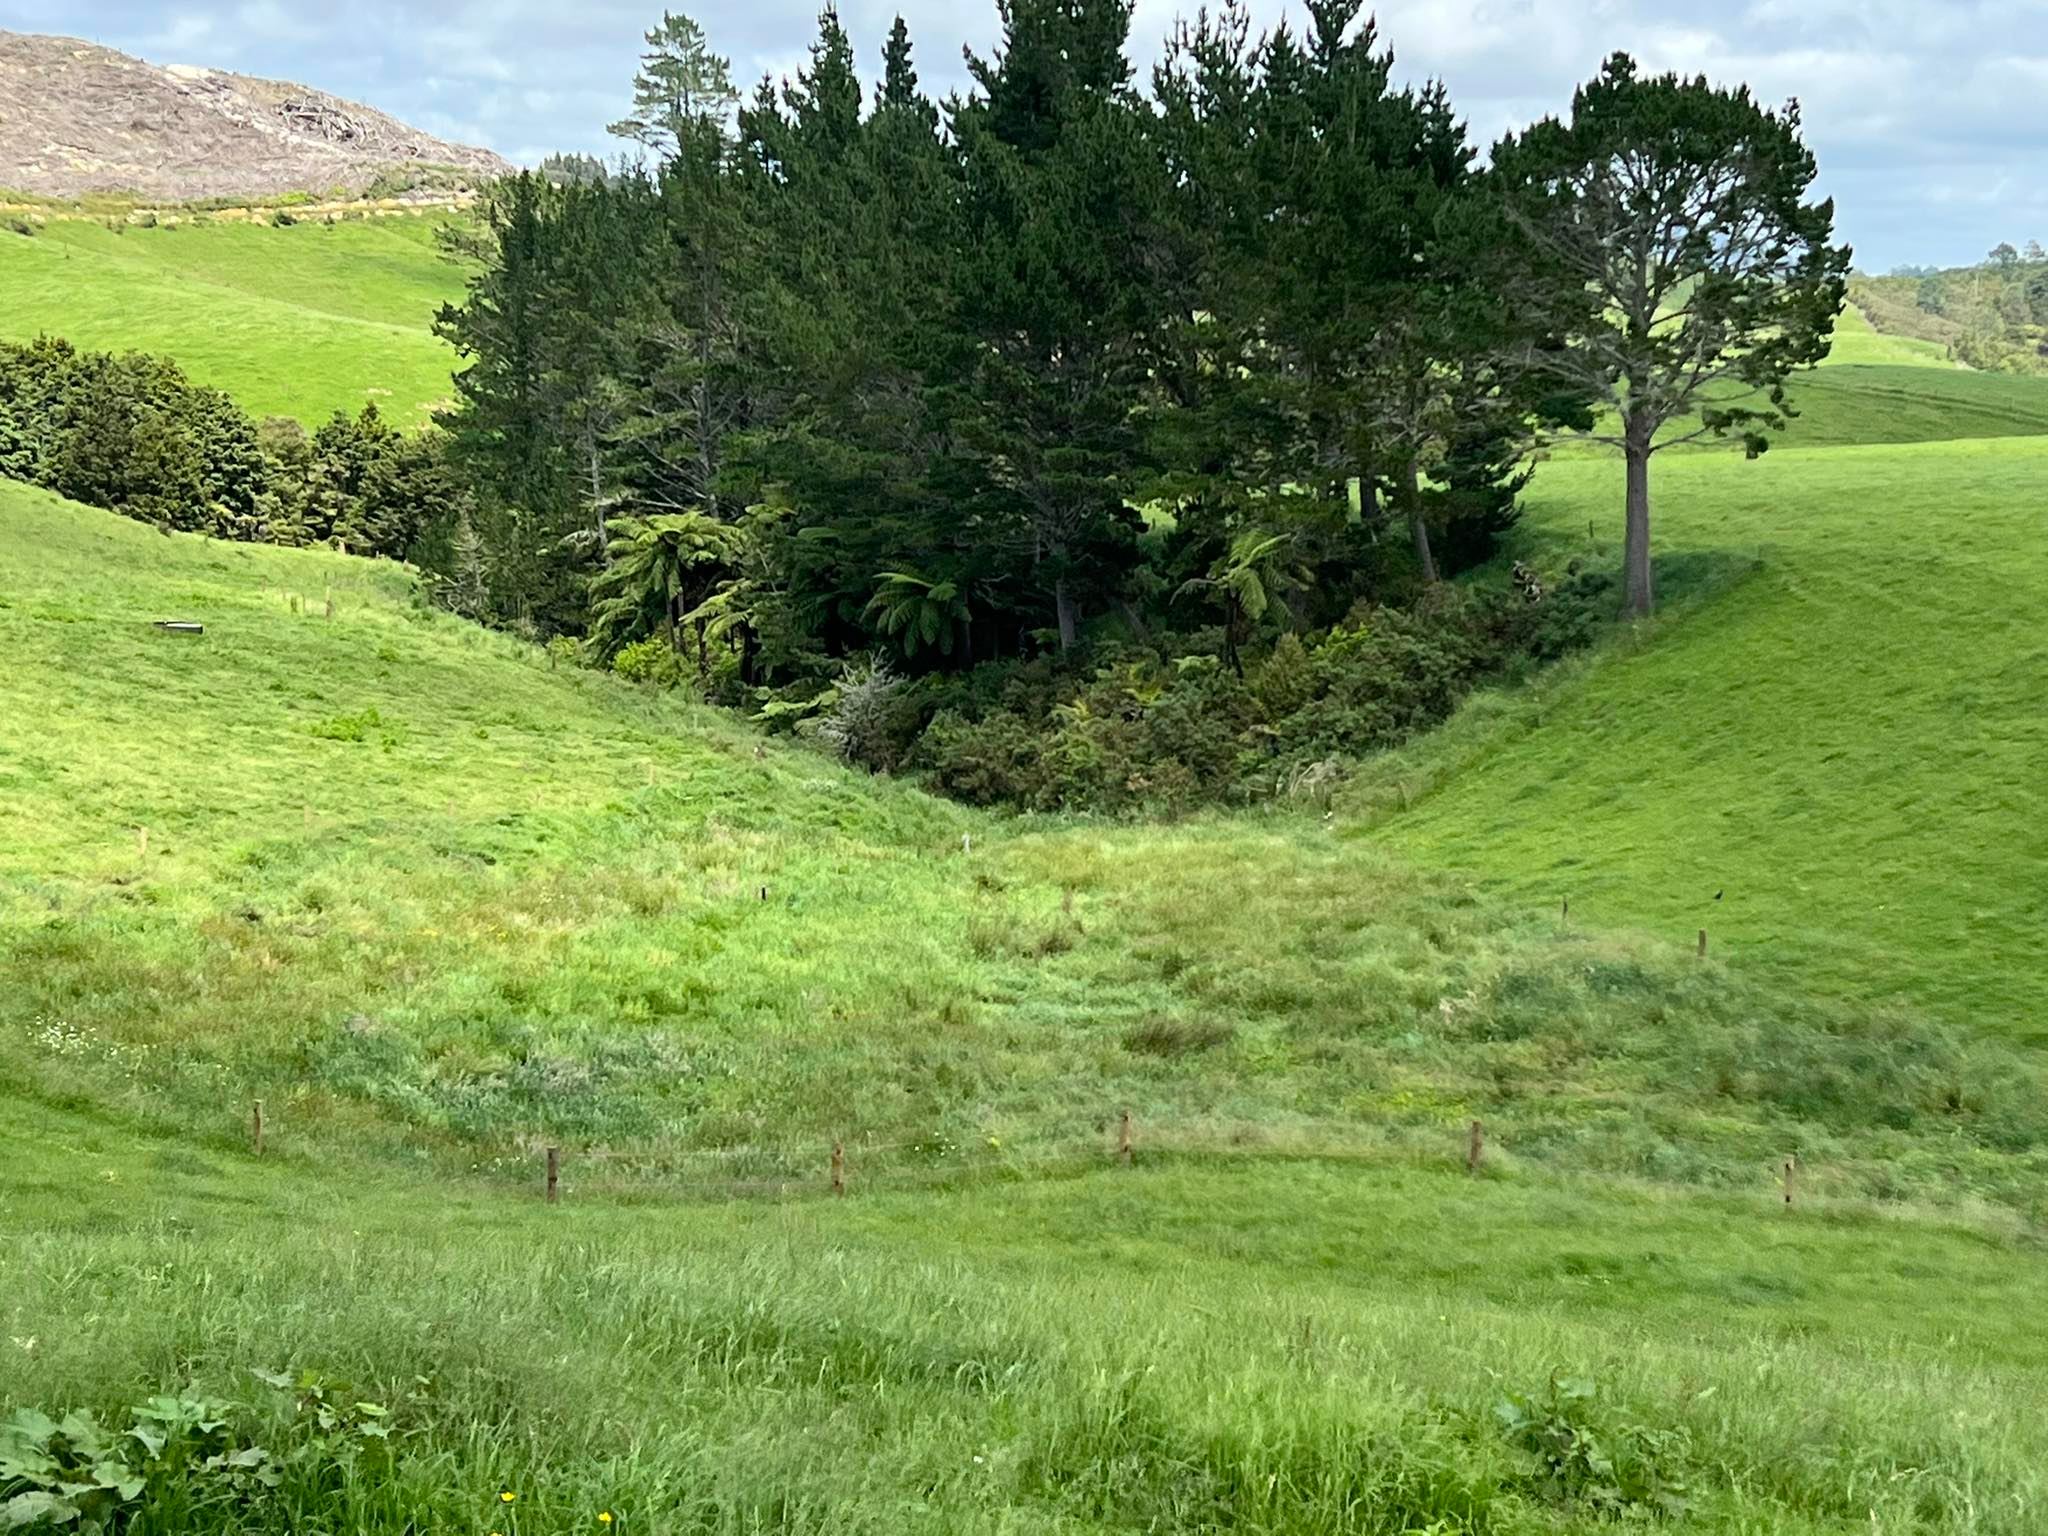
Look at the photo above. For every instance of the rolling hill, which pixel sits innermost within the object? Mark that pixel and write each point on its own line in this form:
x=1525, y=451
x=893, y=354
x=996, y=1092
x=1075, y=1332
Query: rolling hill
x=437, y=903
x=299, y=321
x=1835, y=730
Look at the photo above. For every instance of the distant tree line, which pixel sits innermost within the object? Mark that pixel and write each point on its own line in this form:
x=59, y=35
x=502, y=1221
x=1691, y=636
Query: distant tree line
x=130, y=433
x=1993, y=316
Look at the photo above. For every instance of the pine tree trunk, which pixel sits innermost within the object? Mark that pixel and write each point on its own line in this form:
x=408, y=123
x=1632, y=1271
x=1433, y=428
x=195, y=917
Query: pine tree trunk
x=1418, y=526
x=1069, y=620
x=1642, y=600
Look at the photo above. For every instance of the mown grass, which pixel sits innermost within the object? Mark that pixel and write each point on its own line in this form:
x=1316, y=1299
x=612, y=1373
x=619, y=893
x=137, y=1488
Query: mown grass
x=298, y=321
x=1832, y=760
x=1873, y=388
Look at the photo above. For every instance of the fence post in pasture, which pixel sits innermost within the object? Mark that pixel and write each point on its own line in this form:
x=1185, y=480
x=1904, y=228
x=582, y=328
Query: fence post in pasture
x=256, y=1127
x=1565, y=915
x=1124, y=1154
x=967, y=842
x=554, y=1174
x=142, y=842
x=330, y=602
x=1791, y=1173
x=838, y=1168
x=1703, y=943
x=764, y=893
x=1475, y=1149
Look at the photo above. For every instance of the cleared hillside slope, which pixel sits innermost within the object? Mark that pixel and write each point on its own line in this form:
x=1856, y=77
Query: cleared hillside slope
x=1832, y=752
x=429, y=898
x=299, y=321
x=439, y=905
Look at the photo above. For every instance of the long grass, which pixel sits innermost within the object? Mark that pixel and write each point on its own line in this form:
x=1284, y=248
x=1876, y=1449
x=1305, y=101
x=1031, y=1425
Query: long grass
x=440, y=904
x=1305, y=1347
x=431, y=899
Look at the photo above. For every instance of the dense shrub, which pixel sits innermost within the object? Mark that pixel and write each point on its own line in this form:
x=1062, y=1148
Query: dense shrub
x=1144, y=730
x=869, y=716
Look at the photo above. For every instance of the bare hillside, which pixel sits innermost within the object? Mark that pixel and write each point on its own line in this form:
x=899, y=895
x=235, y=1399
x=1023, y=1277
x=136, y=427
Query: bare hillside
x=76, y=118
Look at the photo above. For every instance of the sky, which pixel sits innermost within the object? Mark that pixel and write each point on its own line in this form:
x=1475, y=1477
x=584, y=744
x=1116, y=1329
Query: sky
x=1929, y=117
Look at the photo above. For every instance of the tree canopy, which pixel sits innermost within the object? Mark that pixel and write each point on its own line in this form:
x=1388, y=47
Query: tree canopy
x=1204, y=364
x=1668, y=250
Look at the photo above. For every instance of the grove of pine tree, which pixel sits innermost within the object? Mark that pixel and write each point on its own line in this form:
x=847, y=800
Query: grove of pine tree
x=1076, y=364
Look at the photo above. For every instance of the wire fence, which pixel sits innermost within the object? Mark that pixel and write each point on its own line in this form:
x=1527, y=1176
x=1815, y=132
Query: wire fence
x=839, y=1168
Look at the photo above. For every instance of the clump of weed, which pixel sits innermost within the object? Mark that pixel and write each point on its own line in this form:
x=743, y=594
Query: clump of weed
x=1177, y=1037
x=1572, y=1449
x=356, y=727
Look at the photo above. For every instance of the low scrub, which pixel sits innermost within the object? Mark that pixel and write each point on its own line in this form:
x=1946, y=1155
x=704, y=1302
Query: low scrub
x=1143, y=730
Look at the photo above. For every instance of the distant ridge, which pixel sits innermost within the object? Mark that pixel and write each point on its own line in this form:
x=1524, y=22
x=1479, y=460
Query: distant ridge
x=78, y=118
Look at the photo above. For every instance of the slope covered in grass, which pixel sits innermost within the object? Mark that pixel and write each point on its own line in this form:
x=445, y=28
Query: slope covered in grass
x=1290, y=1347
x=298, y=321
x=1841, y=738
x=1874, y=388
x=1857, y=341
x=425, y=895
x=439, y=904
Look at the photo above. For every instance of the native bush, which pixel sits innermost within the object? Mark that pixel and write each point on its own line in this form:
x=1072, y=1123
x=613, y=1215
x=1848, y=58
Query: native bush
x=1142, y=730
x=131, y=434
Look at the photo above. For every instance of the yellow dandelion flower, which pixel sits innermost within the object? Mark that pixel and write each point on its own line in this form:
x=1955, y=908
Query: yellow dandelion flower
x=507, y=1497
x=604, y=1517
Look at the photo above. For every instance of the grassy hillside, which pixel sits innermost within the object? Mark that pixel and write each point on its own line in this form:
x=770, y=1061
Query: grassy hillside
x=426, y=896
x=299, y=321
x=439, y=904
x=1858, y=342
x=1841, y=738
x=1876, y=388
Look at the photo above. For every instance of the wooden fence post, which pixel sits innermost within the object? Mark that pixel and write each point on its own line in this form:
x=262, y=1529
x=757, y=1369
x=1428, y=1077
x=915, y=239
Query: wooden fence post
x=1565, y=916
x=1791, y=1170
x=1703, y=943
x=256, y=1127
x=554, y=1174
x=142, y=842
x=1124, y=1154
x=839, y=1168
x=1475, y=1149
